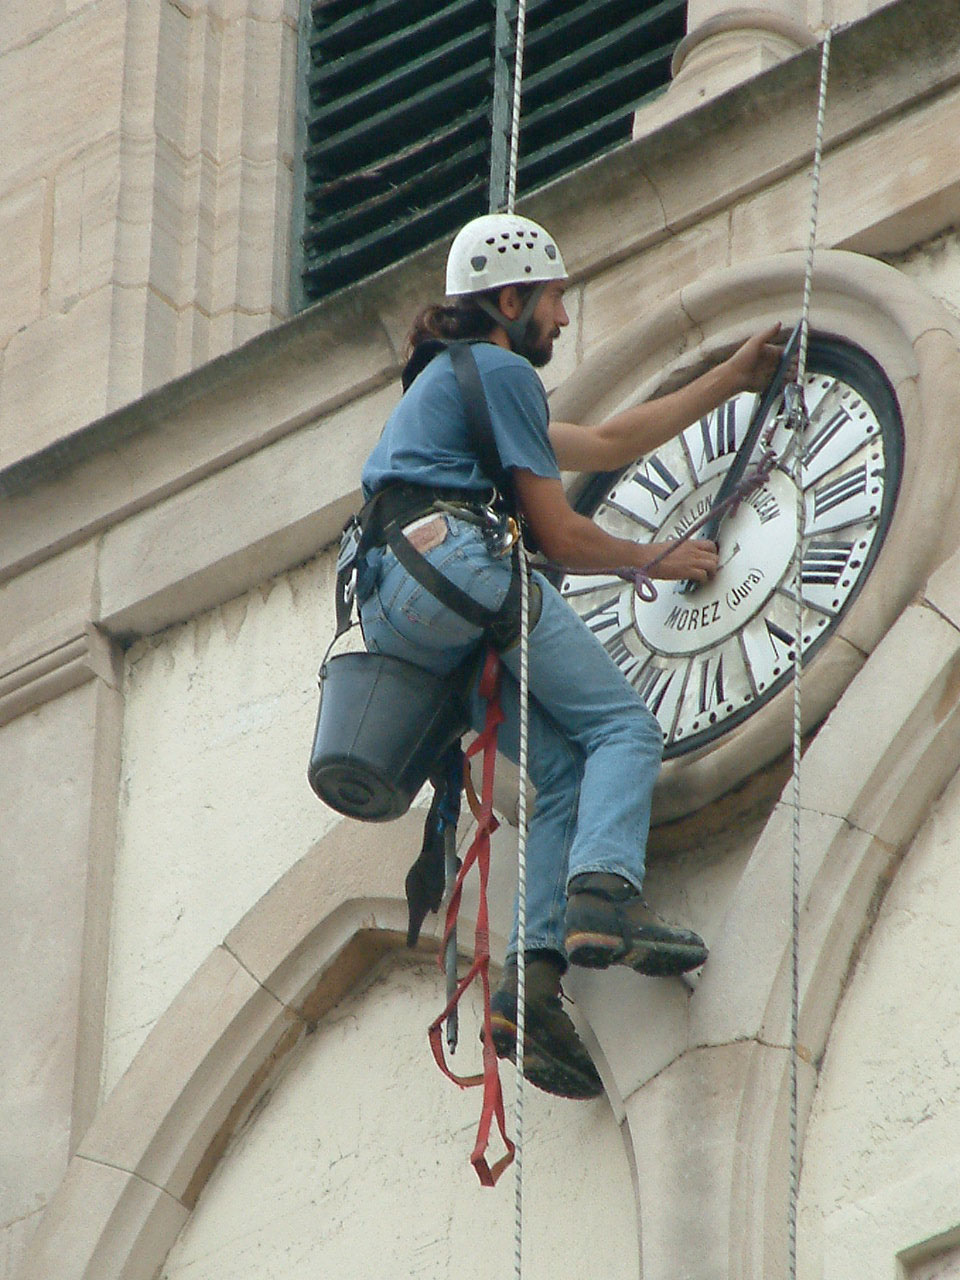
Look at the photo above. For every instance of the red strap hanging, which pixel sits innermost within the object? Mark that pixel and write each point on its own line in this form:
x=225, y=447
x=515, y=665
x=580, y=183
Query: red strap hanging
x=479, y=853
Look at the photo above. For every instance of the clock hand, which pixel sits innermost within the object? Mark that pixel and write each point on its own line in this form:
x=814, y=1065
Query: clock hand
x=741, y=458
x=726, y=497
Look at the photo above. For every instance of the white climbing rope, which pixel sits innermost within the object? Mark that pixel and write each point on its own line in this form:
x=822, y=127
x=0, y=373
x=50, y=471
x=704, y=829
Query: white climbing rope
x=794, y=1192
x=513, y=160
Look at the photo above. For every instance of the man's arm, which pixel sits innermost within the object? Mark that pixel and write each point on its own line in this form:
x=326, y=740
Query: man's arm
x=571, y=540
x=628, y=435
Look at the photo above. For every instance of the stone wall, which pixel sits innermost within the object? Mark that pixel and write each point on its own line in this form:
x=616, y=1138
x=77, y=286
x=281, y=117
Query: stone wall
x=192, y=914
x=149, y=198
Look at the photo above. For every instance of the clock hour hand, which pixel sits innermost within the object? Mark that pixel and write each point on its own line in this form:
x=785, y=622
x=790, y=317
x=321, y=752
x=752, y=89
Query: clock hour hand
x=741, y=459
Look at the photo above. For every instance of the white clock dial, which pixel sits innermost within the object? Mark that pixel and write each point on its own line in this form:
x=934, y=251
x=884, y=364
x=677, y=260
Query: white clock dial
x=705, y=658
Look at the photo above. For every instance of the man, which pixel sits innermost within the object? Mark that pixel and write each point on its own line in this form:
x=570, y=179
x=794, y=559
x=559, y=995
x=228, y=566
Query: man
x=594, y=748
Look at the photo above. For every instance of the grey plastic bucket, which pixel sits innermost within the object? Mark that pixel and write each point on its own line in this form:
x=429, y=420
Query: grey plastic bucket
x=382, y=727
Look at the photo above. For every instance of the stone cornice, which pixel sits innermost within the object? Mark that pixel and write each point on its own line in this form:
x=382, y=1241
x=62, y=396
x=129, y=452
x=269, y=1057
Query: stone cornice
x=41, y=677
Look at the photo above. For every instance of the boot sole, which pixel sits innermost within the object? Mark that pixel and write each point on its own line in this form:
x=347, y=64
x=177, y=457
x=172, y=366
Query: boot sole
x=544, y=1071
x=655, y=958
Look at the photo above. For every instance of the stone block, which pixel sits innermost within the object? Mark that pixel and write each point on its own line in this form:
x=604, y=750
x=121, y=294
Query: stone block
x=22, y=21
x=631, y=291
x=902, y=704
x=733, y=995
x=85, y=206
x=175, y=224
x=859, y=189
x=170, y=1108
x=14, y=1238
x=44, y=850
x=55, y=377
x=309, y=915
x=180, y=78
x=41, y=128
x=639, y=1025
x=625, y=212
x=46, y=606
x=168, y=340
x=263, y=238
x=942, y=590
x=268, y=81
x=182, y=556
x=21, y=272
x=116, y=1224
x=710, y=1135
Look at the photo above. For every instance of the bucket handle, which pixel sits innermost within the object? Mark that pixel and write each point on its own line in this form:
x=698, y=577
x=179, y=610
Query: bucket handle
x=321, y=673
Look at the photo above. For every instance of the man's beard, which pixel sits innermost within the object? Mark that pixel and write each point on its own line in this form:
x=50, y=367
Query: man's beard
x=536, y=346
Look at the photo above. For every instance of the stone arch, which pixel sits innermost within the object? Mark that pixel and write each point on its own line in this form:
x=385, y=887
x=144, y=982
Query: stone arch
x=141, y=1166
x=222, y=1044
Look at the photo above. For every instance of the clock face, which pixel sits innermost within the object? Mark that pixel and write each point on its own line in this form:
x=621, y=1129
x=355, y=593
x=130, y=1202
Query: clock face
x=705, y=657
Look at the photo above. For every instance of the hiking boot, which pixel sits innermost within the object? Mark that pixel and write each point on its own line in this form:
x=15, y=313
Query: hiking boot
x=554, y=1058
x=609, y=923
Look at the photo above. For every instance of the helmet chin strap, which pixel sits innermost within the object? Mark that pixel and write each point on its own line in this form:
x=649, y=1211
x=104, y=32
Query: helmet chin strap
x=516, y=330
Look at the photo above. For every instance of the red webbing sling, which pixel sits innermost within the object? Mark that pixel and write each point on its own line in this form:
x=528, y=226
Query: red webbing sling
x=479, y=853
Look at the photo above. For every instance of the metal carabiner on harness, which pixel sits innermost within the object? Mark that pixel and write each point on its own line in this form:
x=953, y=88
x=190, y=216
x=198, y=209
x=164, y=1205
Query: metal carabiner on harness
x=500, y=531
x=347, y=558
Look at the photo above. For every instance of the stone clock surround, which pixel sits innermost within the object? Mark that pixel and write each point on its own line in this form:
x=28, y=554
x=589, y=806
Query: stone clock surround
x=915, y=342
x=718, y=1062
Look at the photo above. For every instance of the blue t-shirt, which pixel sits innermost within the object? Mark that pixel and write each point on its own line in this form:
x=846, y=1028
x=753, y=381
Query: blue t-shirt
x=426, y=440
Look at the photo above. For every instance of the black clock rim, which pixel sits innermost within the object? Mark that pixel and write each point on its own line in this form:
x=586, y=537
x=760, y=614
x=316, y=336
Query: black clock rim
x=831, y=354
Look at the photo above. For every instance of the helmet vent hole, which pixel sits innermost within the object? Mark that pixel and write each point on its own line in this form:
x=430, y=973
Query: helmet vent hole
x=551, y=251
x=479, y=262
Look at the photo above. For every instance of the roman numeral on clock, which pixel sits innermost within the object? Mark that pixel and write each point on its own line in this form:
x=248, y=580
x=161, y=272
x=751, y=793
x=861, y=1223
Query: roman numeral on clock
x=652, y=685
x=719, y=432
x=835, y=492
x=604, y=620
x=824, y=563
x=777, y=635
x=711, y=684
x=659, y=492
x=833, y=425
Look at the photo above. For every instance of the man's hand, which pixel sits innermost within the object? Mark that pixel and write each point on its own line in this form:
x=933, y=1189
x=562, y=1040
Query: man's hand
x=694, y=560
x=753, y=365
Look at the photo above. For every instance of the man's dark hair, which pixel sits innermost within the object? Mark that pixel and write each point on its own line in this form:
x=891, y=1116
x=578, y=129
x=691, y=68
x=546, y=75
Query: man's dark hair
x=462, y=319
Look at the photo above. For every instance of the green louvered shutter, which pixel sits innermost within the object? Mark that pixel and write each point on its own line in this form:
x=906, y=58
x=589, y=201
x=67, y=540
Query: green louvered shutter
x=399, y=95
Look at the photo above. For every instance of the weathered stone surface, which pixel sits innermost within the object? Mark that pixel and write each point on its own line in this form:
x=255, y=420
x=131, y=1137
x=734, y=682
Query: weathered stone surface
x=21, y=272
x=867, y=204
x=143, y=583
x=310, y=1185
x=54, y=377
x=43, y=852
x=117, y=1224
x=86, y=192
x=41, y=128
x=46, y=607
x=881, y=1153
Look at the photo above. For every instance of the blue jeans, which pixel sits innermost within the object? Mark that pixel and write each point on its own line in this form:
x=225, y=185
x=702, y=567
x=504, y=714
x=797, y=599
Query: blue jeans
x=594, y=748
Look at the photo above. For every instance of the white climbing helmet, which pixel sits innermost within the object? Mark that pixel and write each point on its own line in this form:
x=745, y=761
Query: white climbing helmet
x=500, y=249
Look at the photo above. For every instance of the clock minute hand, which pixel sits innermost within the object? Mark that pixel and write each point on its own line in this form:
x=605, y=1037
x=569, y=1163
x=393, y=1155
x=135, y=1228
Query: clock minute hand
x=741, y=459
x=726, y=494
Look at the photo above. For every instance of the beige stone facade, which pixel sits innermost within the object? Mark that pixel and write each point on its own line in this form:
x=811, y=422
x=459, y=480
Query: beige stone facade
x=212, y=1043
